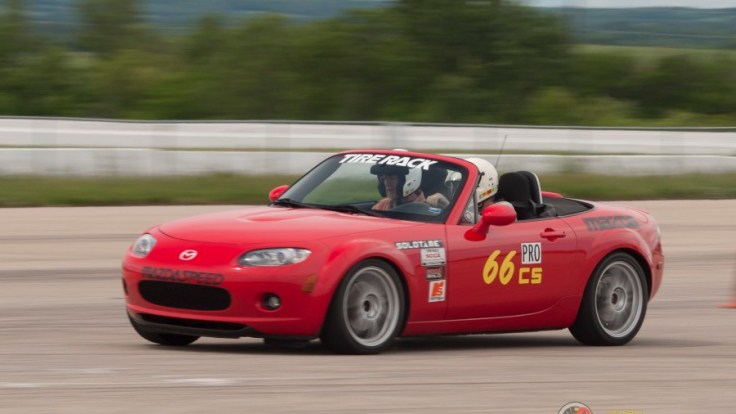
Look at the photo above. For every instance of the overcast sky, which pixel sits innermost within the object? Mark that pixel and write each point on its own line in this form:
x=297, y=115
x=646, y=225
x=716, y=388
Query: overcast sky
x=701, y=4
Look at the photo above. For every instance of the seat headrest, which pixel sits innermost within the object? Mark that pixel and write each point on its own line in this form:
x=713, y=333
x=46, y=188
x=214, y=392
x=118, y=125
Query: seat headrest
x=534, y=186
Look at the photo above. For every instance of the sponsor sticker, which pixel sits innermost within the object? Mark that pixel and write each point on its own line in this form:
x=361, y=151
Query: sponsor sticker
x=434, y=273
x=383, y=159
x=418, y=244
x=437, y=290
x=433, y=257
x=531, y=253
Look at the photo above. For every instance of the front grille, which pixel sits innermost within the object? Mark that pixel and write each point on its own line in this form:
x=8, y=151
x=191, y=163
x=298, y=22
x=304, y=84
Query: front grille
x=184, y=296
x=191, y=323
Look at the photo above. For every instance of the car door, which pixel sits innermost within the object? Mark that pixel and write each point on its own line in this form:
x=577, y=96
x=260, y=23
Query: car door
x=518, y=269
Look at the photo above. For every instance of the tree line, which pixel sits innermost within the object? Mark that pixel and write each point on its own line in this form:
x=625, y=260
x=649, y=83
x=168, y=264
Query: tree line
x=482, y=61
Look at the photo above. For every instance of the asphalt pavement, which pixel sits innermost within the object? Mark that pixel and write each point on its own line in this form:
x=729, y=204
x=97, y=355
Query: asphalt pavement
x=67, y=346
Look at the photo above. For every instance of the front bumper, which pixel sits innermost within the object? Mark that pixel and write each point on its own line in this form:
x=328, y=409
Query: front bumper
x=219, y=298
x=163, y=324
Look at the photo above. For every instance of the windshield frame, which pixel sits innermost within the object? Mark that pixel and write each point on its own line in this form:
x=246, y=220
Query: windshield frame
x=316, y=176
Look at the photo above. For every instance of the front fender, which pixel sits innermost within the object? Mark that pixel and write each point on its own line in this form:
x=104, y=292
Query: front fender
x=344, y=256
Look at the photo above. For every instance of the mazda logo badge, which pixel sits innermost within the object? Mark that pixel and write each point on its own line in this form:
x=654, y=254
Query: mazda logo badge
x=188, y=255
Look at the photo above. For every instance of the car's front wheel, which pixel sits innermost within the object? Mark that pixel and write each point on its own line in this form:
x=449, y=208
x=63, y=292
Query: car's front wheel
x=367, y=311
x=162, y=338
x=614, y=303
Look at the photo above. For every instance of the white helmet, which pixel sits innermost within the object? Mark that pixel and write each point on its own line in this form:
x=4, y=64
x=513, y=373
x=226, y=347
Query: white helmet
x=488, y=185
x=409, y=178
x=413, y=181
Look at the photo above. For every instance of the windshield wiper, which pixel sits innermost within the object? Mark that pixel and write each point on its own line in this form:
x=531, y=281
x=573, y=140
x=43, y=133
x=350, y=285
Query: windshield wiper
x=287, y=202
x=348, y=208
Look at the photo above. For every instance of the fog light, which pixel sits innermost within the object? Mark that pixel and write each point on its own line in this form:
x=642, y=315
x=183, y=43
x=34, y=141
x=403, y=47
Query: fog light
x=271, y=302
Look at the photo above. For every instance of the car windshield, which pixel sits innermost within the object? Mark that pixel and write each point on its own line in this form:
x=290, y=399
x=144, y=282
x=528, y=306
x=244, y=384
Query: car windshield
x=396, y=186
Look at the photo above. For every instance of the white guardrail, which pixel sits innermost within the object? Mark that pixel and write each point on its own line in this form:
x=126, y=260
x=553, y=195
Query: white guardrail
x=100, y=147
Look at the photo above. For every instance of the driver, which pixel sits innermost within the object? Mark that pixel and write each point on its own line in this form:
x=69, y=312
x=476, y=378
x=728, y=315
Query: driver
x=398, y=185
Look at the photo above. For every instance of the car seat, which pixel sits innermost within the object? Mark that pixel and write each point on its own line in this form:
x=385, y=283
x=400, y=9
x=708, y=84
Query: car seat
x=523, y=191
x=514, y=188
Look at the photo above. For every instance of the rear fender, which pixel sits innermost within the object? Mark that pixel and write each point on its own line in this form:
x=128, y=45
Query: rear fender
x=614, y=240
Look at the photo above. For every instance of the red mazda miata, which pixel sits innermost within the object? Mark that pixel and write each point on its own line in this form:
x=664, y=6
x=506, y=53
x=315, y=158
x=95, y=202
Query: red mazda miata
x=371, y=245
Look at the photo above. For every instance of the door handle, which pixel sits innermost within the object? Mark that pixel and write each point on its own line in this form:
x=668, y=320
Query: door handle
x=552, y=234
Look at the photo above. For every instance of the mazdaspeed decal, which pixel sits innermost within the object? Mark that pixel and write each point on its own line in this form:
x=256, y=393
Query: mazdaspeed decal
x=610, y=222
x=418, y=244
x=182, y=276
x=383, y=159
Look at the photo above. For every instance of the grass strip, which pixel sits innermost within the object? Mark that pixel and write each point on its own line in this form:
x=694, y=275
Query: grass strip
x=28, y=191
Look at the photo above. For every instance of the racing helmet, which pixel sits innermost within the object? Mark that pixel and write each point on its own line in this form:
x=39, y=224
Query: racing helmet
x=413, y=181
x=488, y=185
x=409, y=178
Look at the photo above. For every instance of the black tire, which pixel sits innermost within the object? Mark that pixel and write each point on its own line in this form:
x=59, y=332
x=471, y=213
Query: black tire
x=163, y=338
x=367, y=310
x=614, y=303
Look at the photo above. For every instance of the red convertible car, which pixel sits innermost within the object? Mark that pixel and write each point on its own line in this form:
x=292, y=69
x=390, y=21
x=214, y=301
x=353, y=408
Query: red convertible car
x=372, y=245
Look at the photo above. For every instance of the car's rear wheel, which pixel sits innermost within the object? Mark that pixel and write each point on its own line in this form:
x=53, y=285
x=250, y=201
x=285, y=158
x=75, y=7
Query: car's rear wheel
x=614, y=303
x=367, y=311
x=162, y=338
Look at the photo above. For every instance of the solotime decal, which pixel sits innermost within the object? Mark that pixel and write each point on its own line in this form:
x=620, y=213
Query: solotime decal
x=182, y=276
x=418, y=244
x=383, y=159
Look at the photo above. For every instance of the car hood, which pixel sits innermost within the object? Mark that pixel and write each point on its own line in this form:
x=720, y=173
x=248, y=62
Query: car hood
x=275, y=224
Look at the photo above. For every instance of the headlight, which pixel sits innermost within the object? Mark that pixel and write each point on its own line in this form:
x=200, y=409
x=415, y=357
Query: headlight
x=143, y=245
x=274, y=257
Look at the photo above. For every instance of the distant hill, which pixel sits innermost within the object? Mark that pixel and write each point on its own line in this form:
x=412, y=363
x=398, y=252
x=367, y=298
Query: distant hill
x=663, y=26
x=653, y=26
x=175, y=16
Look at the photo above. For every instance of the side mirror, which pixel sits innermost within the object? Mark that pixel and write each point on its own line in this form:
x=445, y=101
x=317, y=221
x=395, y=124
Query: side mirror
x=276, y=192
x=499, y=214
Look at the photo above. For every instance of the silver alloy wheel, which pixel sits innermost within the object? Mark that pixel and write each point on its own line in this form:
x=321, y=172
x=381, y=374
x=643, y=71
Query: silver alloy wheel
x=619, y=299
x=371, y=306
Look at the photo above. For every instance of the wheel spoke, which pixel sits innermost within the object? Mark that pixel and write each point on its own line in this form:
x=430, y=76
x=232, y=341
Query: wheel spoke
x=618, y=299
x=371, y=306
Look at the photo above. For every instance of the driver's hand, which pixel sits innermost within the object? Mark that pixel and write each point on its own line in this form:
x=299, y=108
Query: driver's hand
x=437, y=200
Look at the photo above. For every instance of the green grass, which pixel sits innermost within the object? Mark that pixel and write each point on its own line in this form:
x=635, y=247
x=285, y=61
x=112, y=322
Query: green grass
x=232, y=189
x=595, y=187
x=209, y=189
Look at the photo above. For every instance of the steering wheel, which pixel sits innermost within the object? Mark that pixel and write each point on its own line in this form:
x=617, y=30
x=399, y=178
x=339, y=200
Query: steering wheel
x=417, y=208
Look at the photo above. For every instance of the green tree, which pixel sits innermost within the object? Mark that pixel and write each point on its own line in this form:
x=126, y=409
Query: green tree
x=508, y=50
x=111, y=25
